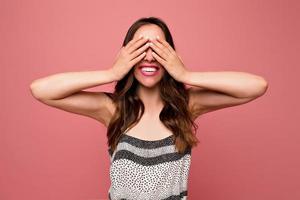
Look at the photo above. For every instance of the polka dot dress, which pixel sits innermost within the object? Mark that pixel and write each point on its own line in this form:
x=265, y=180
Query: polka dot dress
x=148, y=170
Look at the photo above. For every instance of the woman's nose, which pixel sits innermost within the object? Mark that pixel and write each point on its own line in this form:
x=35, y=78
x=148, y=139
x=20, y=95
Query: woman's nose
x=149, y=57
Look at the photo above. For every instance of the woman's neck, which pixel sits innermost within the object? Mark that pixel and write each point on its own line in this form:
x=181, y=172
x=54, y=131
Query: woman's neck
x=151, y=98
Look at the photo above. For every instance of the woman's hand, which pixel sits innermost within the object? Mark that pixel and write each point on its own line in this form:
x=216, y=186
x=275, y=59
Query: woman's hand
x=128, y=56
x=167, y=56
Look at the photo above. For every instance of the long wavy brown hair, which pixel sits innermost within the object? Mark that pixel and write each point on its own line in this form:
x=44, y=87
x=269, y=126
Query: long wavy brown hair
x=175, y=114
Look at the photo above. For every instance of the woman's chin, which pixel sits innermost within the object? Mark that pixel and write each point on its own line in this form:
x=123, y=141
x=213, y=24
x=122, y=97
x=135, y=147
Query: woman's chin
x=147, y=82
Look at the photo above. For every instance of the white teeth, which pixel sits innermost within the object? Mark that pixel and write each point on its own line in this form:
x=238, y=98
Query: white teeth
x=149, y=69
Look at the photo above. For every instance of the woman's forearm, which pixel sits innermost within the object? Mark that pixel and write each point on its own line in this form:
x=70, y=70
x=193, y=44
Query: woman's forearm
x=237, y=84
x=61, y=85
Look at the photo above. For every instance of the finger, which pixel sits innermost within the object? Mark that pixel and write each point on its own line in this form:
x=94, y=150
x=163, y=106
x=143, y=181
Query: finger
x=159, y=59
x=131, y=42
x=161, y=52
x=139, y=51
x=137, y=59
x=166, y=44
x=161, y=46
x=136, y=45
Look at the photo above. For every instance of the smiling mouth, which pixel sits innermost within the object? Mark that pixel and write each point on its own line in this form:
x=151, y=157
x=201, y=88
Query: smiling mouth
x=149, y=70
x=149, y=66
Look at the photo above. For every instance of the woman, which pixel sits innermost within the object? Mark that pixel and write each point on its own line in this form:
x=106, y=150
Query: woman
x=151, y=113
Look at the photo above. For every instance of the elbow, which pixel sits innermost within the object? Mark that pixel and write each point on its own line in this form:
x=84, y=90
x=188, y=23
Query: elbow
x=35, y=90
x=262, y=87
x=256, y=88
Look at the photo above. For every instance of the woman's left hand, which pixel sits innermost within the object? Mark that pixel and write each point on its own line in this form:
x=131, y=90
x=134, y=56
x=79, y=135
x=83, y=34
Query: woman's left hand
x=167, y=56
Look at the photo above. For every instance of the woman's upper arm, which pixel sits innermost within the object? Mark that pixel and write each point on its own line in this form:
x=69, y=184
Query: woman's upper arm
x=96, y=105
x=204, y=100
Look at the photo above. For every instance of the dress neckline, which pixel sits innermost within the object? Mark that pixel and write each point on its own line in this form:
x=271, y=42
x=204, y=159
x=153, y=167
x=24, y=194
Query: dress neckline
x=148, y=141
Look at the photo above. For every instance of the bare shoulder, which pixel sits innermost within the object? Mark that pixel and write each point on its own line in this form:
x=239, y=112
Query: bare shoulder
x=106, y=107
x=192, y=106
x=110, y=106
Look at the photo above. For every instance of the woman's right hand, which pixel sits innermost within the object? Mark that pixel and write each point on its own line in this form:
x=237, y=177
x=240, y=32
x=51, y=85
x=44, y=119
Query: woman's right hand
x=128, y=56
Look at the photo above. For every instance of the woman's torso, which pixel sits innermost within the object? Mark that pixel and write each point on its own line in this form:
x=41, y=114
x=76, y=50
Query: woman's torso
x=148, y=169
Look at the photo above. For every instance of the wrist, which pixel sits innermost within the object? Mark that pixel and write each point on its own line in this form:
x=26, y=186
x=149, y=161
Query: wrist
x=184, y=77
x=113, y=74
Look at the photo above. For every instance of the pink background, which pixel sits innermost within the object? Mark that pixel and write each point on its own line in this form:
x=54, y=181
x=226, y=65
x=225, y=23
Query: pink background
x=247, y=152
